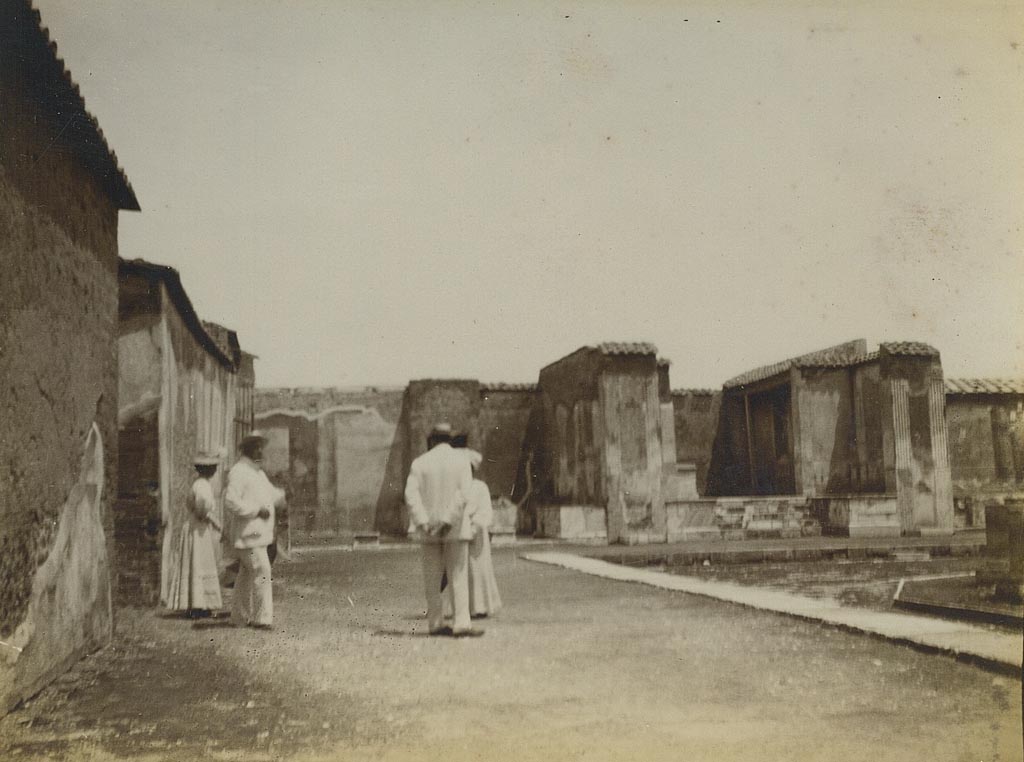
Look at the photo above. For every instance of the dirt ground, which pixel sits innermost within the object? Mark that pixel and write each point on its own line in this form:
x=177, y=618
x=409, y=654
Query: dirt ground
x=574, y=668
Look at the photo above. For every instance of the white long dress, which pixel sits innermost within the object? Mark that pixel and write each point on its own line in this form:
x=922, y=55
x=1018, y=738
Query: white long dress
x=197, y=583
x=484, y=599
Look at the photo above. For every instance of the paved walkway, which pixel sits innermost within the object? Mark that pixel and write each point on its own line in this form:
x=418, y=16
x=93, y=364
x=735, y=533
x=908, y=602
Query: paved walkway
x=965, y=542
x=997, y=650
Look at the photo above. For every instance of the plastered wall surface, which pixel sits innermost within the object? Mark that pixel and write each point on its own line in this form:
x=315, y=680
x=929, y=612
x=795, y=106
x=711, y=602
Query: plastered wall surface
x=58, y=372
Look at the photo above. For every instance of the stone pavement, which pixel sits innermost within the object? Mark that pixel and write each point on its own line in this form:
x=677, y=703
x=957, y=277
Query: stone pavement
x=1000, y=651
x=968, y=542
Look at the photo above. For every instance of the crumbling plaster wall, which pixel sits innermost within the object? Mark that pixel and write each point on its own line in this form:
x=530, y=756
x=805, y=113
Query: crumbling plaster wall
x=986, y=442
x=197, y=414
x=569, y=460
x=504, y=415
x=696, y=423
x=58, y=373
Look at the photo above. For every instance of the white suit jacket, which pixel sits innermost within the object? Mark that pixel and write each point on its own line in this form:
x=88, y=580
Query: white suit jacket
x=438, y=482
x=248, y=490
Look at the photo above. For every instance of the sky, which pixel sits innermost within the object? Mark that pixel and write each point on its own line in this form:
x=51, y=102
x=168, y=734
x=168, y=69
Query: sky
x=372, y=192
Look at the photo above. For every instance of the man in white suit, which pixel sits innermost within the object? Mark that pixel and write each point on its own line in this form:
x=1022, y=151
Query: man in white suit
x=250, y=500
x=435, y=492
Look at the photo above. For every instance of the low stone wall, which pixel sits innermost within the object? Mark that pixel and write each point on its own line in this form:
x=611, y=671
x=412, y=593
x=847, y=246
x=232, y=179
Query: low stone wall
x=572, y=522
x=740, y=518
x=858, y=515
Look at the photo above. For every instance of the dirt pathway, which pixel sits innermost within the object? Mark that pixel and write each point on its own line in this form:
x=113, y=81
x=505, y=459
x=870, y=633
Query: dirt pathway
x=574, y=668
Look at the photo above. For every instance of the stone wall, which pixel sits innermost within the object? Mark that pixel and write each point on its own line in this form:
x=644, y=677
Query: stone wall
x=914, y=439
x=986, y=451
x=345, y=449
x=494, y=416
x=177, y=399
x=823, y=430
x=633, y=464
x=291, y=459
x=58, y=311
x=137, y=516
x=569, y=456
x=600, y=440
x=695, y=415
x=504, y=417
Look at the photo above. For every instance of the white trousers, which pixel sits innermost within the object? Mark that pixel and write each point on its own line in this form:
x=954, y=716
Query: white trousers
x=451, y=558
x=253, y=600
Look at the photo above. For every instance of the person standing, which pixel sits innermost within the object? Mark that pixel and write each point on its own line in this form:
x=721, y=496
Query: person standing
x=195, y=589
x=484, y=598
x=435, y=493
x=250, y=499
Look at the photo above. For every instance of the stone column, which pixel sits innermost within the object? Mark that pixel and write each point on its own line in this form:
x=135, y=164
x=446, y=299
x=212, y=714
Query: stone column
x=942, y=479
x=904, y=482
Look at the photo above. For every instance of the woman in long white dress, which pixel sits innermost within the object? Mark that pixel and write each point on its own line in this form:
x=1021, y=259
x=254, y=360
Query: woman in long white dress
x=484, y=599
x=195, y=589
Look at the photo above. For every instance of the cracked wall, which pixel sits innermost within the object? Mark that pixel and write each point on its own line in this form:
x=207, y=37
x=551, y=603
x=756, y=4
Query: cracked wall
x=58, y=376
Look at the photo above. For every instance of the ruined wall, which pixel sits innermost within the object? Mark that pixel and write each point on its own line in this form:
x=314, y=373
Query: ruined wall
x=140, y=378
x=630, y=413
x=385, y=400
x=824, y=430
x=986, y=442
x=390, y=515
x=914, y=440
x=867, y=470
x=569, y=460
x=695, y=415
x=341, y=459
x=196, y=414
x=58, y=370
x=729, y=469
x=986, y=452
x=292, y=462
x=425, y=403
x=504, y=415
x=361, y=443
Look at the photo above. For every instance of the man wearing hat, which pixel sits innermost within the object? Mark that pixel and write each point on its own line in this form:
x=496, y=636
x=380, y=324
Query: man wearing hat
x=250, y=499
x=435, y=492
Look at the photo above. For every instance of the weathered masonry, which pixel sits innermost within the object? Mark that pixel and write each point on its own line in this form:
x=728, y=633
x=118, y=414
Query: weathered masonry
x=60, y=193
x=986, y=444
x=842, y=439
x=495, y=418
x=178, y=389
x=606, y=446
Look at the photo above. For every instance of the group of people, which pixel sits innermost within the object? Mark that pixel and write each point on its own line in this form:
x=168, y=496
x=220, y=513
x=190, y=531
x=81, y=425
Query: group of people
x=450, y=513
x=250, y=503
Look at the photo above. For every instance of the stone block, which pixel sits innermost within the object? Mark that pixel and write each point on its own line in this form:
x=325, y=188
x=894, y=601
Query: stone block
x=875, y=531
x=696, y=533
x=572, y=522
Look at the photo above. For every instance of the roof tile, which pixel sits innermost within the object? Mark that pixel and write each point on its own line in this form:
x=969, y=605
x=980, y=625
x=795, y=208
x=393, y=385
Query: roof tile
x=911, y=348
x=985, y=386
x=61, y=97
x=627, y=348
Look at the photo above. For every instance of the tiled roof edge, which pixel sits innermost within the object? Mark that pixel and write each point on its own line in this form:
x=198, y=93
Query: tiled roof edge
x=172, y=280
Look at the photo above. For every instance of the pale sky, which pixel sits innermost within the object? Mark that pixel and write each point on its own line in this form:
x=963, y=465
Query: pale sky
x=373, y=192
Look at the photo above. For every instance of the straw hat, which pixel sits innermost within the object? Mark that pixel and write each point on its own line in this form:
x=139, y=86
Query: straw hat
x=205, y=459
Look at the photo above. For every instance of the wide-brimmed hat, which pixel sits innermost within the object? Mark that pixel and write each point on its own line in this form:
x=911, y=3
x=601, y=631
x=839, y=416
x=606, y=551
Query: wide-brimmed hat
x=252, y=437
x=441, y=430
x=205, y=459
